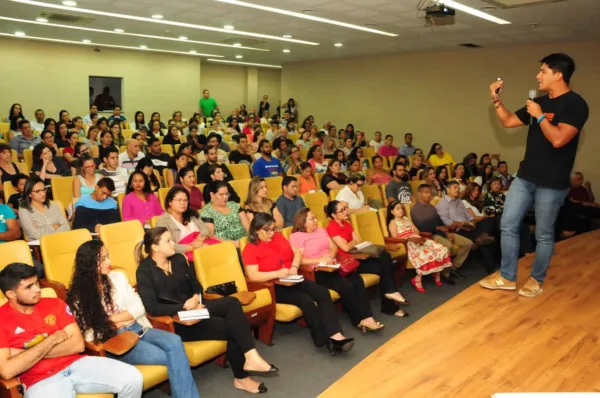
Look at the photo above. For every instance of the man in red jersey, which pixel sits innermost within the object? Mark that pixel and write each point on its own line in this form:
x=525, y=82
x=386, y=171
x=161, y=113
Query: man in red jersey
x=41, y=344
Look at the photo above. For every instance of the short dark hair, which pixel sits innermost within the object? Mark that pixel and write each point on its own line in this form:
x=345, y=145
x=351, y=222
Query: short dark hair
x=134, y=136
x=451, y=183
x=18, y=177
x=261, y=143
x=500, y=163
x=12, y=275
x=46, y=132
x=22, y=122
x=355, y=178
x=305, y=165
x=208, y=148
x=423, y=186
x=147, y=189
x=389, y=136
x=109, y=150
x=407, y=134
x=560, y=62
x=106, y=182
x=287, y=180
x=77, y=118
x=331, y=208
x=70, y=135
x=153, y=140
x=189, y=213
x=117, y=106
x=274, y=122
x=217, y=136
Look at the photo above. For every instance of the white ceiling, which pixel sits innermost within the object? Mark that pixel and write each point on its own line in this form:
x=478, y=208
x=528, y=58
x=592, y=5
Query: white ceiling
x=562, y=21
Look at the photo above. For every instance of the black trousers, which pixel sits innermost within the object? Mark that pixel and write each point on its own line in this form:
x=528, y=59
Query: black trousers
x=319, y=316
x=227, y=322
x=352, y=292
x=384, y=267
x=487, y=251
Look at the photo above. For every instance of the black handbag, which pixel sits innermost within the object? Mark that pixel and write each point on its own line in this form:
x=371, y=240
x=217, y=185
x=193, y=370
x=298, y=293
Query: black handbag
x=224, y=289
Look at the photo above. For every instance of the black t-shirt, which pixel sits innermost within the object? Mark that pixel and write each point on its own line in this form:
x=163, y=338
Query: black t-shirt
x=327, y=178
x=414, y=171
x=277, y=141
x=203, y=174
x=239, y=158
x=15, y=200
x=545, y=165
x=159, y=162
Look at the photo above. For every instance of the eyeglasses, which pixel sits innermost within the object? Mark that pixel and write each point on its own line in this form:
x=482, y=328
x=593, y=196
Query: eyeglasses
x=313, y=218
x=360, y=185
x=270, y=230
x=343, y=209
x=40, y=190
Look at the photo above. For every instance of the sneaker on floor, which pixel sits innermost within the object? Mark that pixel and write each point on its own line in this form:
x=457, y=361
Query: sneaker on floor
x=496, y=282
x=531, y=288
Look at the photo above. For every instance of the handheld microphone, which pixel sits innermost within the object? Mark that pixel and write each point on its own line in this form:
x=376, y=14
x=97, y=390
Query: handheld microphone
x=499, y=78
x=532, y=94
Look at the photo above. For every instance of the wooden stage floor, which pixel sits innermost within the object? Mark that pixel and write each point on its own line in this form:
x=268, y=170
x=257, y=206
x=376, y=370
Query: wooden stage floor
x=483, y=342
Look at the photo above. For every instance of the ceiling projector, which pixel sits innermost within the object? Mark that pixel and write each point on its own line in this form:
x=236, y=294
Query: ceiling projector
x=439, y=14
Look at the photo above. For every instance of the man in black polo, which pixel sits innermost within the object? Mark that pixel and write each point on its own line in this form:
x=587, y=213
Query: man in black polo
x=203, y=174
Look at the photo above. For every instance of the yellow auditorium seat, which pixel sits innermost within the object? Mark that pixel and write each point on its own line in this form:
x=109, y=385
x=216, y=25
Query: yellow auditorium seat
x=368, y=152
x=333, y=192
x=415, y=185
x=435, y=200
x=121, y=240
x=24, y=168
x=217, y=264
x=294, y=137
x=239, y=171
x=58, y=253
x=371, y=192
x=95, y=152
x=15, y=156
x=168, y=149
x=274, y=187
x=4, y=127
x=162, y=195
x=62, y=190
x=316, y=202
x=153, y=221
x=120, y=198
x=241, y=188
x=390, y=160
x=303, y=154
x=283, y=312
x=396, y=250
x=318, y=177
x=287, y=232
x=28, y=157
x=122, y=148
x=8, y=190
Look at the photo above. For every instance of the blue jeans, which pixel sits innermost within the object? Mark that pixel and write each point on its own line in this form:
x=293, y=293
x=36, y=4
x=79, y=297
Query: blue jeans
x=158, y=347
x=90, y=375
x=547, y=202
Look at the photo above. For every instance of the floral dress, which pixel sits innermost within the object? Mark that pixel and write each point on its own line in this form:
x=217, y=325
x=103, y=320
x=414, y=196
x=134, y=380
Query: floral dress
x=227, y=226
x=494, y=201
x=427, y=257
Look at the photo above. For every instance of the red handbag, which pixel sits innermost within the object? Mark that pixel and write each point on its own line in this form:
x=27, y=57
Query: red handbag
x=348, y=263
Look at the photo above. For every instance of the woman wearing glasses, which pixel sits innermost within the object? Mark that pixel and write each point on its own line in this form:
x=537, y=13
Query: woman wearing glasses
x=352, y=196
x=39, y=217
x=86, y=179
x=437, y=156
x=269, y=257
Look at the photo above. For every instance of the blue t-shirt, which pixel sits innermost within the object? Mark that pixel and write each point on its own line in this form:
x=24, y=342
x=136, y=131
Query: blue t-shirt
x=6, y=213
x=87, y=202
x=263, y=168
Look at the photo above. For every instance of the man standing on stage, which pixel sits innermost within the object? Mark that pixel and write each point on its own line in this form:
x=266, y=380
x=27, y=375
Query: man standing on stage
x=555, y=121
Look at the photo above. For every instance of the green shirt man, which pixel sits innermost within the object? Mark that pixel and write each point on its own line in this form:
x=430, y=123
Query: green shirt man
x=207, y=104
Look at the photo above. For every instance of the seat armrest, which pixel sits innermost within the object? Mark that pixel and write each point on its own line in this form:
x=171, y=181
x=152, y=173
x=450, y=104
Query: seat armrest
x=95, y=348
x=162, y=322
x=59, y=288
x=211, y=296
x=427, y=235
x=245, y=298
x=10, y=388
x=307, y=271
x=394, y=240
x=254, y=286
x=360, y=256
x=121, y=343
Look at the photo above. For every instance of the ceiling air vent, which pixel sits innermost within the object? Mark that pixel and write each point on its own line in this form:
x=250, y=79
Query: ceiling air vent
x=469, y=45
x=67, y=18
x=507, y=4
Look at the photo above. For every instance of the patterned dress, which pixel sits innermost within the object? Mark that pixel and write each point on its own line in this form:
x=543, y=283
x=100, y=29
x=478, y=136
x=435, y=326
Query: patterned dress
x=227, y=226
x=427, y=257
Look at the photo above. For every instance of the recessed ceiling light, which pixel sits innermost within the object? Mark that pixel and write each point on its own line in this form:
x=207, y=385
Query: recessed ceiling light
x=239, y=56
x=183, y=38
x=143, y=47
x=241, y=63
x=532, y=25
x=229, y=27
x=40, y=19
x=287, y=36
x=179, y=24
x=70, y=3
x=193, y=52
x=338, y=45
x=237, y=45
x=157, y=16
x=122, y=32
x=86, y=41
x=19, y=33
x=286, y=50
x=306, y=14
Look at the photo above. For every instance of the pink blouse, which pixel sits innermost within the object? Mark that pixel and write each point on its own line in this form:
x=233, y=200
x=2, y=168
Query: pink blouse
x=315, y=244
x=136, y=209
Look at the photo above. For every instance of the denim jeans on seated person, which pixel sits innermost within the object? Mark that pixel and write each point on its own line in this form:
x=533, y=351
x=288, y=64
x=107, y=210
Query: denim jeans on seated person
x=547, y=202
x=157, y=347
x=90, y=375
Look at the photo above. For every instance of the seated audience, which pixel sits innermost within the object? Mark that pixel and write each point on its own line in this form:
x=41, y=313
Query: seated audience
x=173, y=136
x=177, y=163
x=318, y=248
x=258, y=201
x=224, y=217
x=132, y=155
x=56, y=366
x=214, y=140
x=291, y=165
x=46, y=166
x=139, y=121
x=376, y=142
x=212, y=158
x=268, y=257
x=147, y=167
x=283, y=136
x=240, y=155
x=165, y=275
x=9, y=226
x=266, y=165
x=437, y=157
x=399, y=188
x=378, y=174
x=118, y=138
x=494, y=199
x=333, y=178
x=461, y=177
x=217, y=173
x=307, y=182
x=407, y=149
x=37, y=215
x=8, y=169
x=417, y=168
x=345, y=238
x=316, y=159
x=160, y=160
x=187, y=179
x=69, y=150
x=427, y=256
x=304, y=142
x=289, y=203
x=117, y=116
x=430, y=179
x=140, y=203
x=486, y=177
x=189, y=232
x=86, y=178
x=388, y=148
x=196, y=140
x=441, y=175
x=98, y=208
x=504, y=175
x=25, y=140
x=48, y=139
x=15, y=200
x=105, y=305
x=341, y=157
x=38, y=124
x=112, y=170
x=106, y=142
x=355, y=168
x=186, y=149
x=352, y=196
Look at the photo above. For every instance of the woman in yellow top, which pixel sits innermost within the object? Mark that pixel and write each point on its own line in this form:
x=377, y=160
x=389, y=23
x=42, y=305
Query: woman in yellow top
x=437, y=157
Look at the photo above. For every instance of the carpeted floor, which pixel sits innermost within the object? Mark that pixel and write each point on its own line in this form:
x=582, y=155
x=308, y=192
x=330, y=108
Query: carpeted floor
x=306, y=371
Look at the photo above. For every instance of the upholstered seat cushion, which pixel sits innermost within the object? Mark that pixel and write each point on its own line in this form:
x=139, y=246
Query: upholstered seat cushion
x=263, y=298
x=370, y=279
x=287, y=312
x=201, y=351
x=153, y=375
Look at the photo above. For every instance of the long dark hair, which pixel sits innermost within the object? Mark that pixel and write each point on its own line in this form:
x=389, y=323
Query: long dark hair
x=13, y=119
x=145, y=162
x=432, y=150
x=147, y=190
x=311, y=151
x=151, y=237
x=389, y=216
x=331, y=208
x=189, y=213
x=438, y=172
x=259, y=221
x=29, y=184
x=36, y=153
x=142, y=123
x=85, y=300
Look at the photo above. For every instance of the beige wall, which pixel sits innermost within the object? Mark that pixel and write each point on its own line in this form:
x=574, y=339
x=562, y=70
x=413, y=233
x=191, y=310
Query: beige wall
x=269, y=83
x=55, y=76
x=443, y=97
